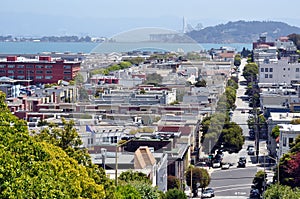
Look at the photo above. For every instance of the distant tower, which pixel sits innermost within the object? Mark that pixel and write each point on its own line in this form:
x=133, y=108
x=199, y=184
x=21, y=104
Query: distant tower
x=183, y=26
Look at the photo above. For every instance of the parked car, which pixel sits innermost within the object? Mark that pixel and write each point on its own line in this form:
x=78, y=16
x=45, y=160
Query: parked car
x=216, y=164
x=211, y=190
x=225, y=165
x=251, y=151
x=207, y=194
x=243, y=159
x=254, y=194
x=241, y=164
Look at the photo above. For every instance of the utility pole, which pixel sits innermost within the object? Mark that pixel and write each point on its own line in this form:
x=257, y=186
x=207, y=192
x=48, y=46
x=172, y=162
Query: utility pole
x=255, y=126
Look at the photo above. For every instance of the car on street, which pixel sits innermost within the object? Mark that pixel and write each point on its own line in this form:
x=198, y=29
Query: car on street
x=216, y=164
x=207, y=194
x=242, y=162
x=243, y=159
x=225, y=165
x=251, y=151
x=254, y=194
x=211, y=190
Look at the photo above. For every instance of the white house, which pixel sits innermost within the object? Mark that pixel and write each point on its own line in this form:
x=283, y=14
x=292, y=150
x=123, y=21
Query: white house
x=288, y=134
x=285, y=70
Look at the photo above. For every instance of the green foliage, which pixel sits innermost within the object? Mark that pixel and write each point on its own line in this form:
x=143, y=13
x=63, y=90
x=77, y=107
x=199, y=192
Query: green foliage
x=275, y=132
x=127, y=192
x=198, y=175
x=115, y=67
x=232, y=83
x=154, y=79
x=173, y=182
x=175, y=194
x=78, y=79
x=37, y=169
x=237, y=60
x=232, y=137
x=135, y=60
x=259, y=179
x=250, y=72
x=129, y=176
x=281, y=192
x=296, y=39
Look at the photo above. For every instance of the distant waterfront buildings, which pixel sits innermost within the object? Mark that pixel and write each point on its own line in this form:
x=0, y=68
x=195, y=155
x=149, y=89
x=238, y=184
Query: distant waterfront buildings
x=41, y=69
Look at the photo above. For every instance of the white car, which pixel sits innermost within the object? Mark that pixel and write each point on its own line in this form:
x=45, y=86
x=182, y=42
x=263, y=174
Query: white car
x=225, y=166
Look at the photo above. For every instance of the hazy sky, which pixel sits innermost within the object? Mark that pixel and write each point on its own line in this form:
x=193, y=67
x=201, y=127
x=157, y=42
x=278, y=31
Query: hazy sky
x=106, y=18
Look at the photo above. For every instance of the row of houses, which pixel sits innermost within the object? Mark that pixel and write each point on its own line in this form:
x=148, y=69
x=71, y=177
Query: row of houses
x=279, y=90
x=159, y=136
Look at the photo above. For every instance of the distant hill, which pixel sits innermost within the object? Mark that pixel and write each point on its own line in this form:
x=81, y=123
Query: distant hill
x=242, y=32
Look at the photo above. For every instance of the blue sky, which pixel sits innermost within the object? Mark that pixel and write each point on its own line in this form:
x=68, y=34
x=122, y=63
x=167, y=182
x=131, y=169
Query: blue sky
x=106, y=18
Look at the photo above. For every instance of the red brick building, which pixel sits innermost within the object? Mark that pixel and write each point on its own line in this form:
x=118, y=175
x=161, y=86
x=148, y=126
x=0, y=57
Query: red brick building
x=43, y=69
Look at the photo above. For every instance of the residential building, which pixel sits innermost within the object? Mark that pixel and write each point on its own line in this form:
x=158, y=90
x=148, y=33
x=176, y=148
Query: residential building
x=41, y=69
x=288, y=134
x=275, y=119
x=285, y=70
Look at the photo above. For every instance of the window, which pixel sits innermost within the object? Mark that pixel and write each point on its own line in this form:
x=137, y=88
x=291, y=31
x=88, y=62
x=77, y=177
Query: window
x=283, y=68
x=262, y=70
x=48, y=66
x=20, y=77
x=266, y=75
x=67, y=72
x=48, y=71
x=270, y=75
x=284, y=141
x=105, y=139
x=38, y=66
x=29, y=72
x=291, y=140
x=2, y=66
x=2, y=71
x=20, y=66
x=48, y=77
x=266, y=70
x=39, y=77
x=39, y=72
x=11, y=66
x=29, y=66
x=297, y=69
x=283, y=75
x=10, y=71
x=67, y=78
x=288, y=68
x=20, y=72
x=67, y=67
x=271, y=70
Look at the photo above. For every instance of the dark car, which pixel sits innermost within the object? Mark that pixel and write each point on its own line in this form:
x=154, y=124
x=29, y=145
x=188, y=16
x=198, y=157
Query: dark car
x=254, y=194
x=241, y=164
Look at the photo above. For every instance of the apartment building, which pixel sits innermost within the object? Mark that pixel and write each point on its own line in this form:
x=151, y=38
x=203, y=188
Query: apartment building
x=40, y=69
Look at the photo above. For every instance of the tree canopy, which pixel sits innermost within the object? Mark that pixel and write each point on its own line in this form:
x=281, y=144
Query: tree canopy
x=250, y=72
x=199, y=177
x=31, y=168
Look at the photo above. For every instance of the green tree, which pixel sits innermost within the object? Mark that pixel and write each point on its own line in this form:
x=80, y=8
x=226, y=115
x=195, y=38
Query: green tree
x=237, y=60
x=250, y=72
x=129, y=176
x=38, y=169
x=275, y=132
x=78, y=79
x=281, y=192
x=127, y=192
x=173, y=182
x=198, y=176
x=259, y=180
x=175, y=194
x=232, y=137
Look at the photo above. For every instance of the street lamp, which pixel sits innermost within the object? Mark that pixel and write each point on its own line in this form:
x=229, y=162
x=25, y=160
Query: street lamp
x=277, y=160
x=116, y=160
x=103, y=154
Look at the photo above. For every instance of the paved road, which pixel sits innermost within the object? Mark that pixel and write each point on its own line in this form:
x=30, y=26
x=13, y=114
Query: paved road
x=236, y=182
